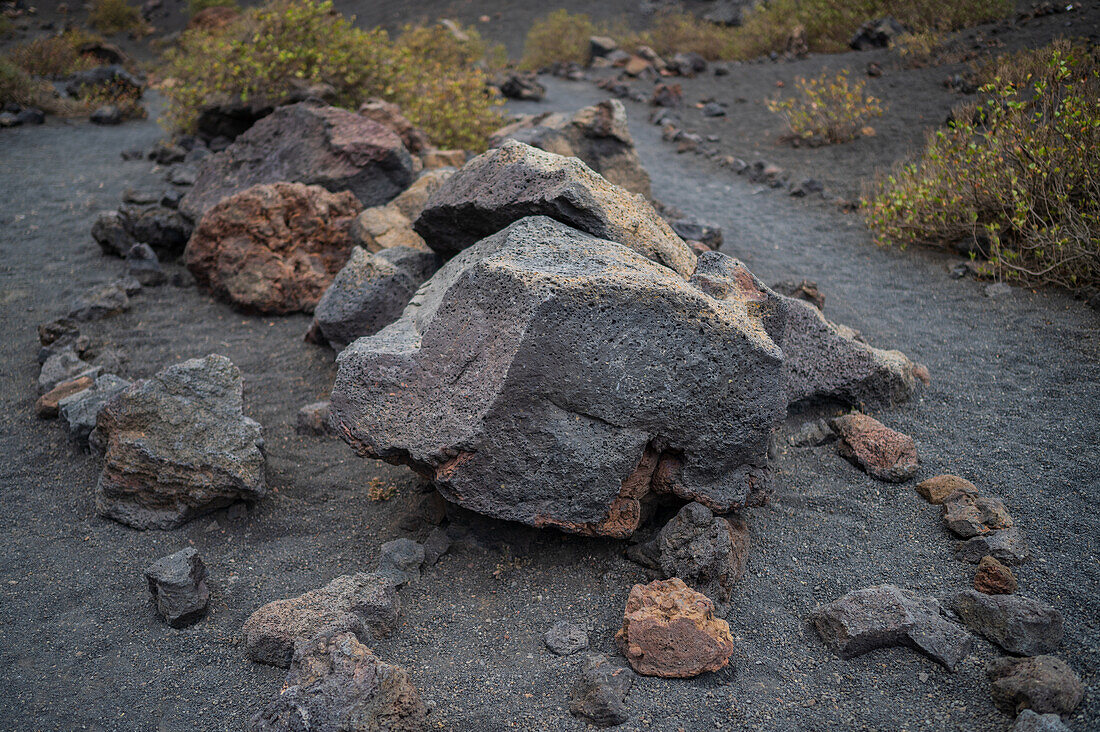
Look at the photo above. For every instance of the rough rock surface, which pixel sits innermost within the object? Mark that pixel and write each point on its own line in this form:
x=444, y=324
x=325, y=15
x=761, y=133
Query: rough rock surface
x=883, y=453
x=1030, y=721
x=538, y=363
x=273, y=248
x=177, y=446
x=565, y=638
x=80, y=410
x=705, y=551
x=1007, y=546
x=48, y=405
x=669, y=630
x=1043, y=684
x=385, y=227
x=994, y=578
x=109, y=231
x=371, y=291
x=414, y=198
x=311, y=144
x=883, y=616
x=143, y=265
x=516, y=180
x=389, y=114
x=101, y=301
x=967, y=514
x=335, y=683
x=825, y=362
x=400, y=560
x=177, y=584
x=934, y=490
x=599, y=135
x=365, y=605
x=313, y=419
x=1017, y=624
x=599, y=693
x=63, y=365
x=163, y=229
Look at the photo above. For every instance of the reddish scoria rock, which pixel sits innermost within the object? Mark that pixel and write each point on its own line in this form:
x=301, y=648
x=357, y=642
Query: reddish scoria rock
x=884, y=453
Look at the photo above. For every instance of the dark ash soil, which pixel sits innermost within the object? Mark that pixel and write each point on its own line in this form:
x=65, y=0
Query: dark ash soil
x=1014, y=405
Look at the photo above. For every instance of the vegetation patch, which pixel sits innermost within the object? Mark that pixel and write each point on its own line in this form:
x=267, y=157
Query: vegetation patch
x=828, y=109
x=1016, y=173
x=115, y=16
x=194, y=7
x=17, y=86
x=560, y=37
x=53, y=56
x=438, y=77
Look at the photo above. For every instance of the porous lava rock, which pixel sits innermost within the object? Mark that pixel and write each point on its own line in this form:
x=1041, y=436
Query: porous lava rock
x=371, y=291
x=599, y=135
x=883, y=453
x=826, y=362
x=548, y=377
x=599, y=694
x=313, y=419
x=669, y=630
x=63, y=364
x=967, y=514
x=365, y=605
x=1008, y=546
x=1018, y=624
x=516, y=180
x=177, y=446
x=306, y=143
x=81, y=409
x=935, y=490
x=335, y=683
x=994, y=578
x=883, y=616
x=565, y=638
x=389, y=114
x=706, y=551
x=1029, y=721
x=1043, y=684
x=273, y=248
x=177, y=585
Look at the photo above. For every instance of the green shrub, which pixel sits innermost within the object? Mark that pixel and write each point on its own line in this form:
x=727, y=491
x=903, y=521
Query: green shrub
x=559, y=37
x=52, y=56
x=16, y=85
x=115, y=16
x=194, y=7
x=271, y=51
x=1019, y=169
x=6, y=26
x=828, y=109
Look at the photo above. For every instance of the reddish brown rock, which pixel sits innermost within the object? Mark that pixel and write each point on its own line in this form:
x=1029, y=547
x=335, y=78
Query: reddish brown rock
x=968, y=515
x=934, y=490
x=273, y=248
x=47, y=405
x=994, y=578
x=884, y=453
x=669, y=630
x=389, y=114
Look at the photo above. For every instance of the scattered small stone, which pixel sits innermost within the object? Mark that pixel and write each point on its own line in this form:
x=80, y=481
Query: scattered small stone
x=883, y=453
x=9, y=119
x=110, y=232
x=166, y=152
x=99, y=302
x=1030, y=721
x=805, y=290
x=47, y=406
x=806, y=187
x=171, y=198
x=669, y=630
x=705, y=551
x=182, y=279
x=524, y=87
x=140, y=196
x=713, y=109
x=600, y=46
x=565, y=638
x=967, y=515
x=164, y=229
x=63, y=365
x=336, y=683
x=997, y=290
x=599, y=693
x=365, y=605
x=313, y=419
x=812, y=434
x=177, y=584
x=31, y=116
x=81, y=409
x=667, y=95
x=400, y=560
x=143, y=265
x=182, y=175
x=874, y=69
x=1043, y=684
x=994, y=578
x=436, y=545
x=708, y=234
x=687, y=64
x=876, y=34
x=1017, y=624
x=935, y=490
x=108, y=114
x=133, y=154
x=1006, y=545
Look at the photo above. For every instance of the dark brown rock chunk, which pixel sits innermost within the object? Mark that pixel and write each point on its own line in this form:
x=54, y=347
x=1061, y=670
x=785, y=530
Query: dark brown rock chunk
x=934, y=490
x=1017, y=624
x=882, y=452
x=994, y=578
x=1043, y=684
x=706, y=551
x=967, y=515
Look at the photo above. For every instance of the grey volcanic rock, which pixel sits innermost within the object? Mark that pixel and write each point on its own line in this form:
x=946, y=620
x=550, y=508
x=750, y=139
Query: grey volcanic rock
x=707, y=552
x=565, y=638
x=1006, y=545
x=177, y=584
x=307, y=143
x=109, y=231
x=826, y=362
x=63, y=365
x=313, y=419
x=967, y=514
x=1030, y=721
x=599, y=693
x=162, y=228
x=80, y=410
x=336, y=684
x=1043, y=684
x=557, y=379
x=101, y=301
x=599, y=135
x=178, y=446
x=1017, y=624
x=363, y=604
x=400, y=560
x=883, y=616
x=371, y=291
x=516, y=180
x=143, y=265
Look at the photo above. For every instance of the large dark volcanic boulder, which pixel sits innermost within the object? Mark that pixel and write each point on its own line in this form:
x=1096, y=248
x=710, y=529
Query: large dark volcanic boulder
x=548, y=377
x=177, y=446
x=273, y=248
x=516, y=180
x=307, y=143
x=598, y=135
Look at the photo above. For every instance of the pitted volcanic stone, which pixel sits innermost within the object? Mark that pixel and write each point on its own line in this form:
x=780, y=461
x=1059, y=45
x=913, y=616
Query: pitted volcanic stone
x=548, y=377
x=706, y=551
x=516, y=180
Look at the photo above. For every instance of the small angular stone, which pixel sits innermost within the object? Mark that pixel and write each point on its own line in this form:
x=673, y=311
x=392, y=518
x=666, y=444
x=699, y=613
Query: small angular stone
x=80, y=410
x=707, y=552
x=812, y=434
x=101, y=301
x=47, y=406
x=934, y=490
x=1043, y=684
x=401, y=560
x=994, y=578
x=177, y=584
x=968, y=515
x=565, y=638
x=1017, y=624
x=313, y=419
x=599, y=693
x=1030, y=721
x=63, y=365
x=883, y=453
x=1007, y=546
